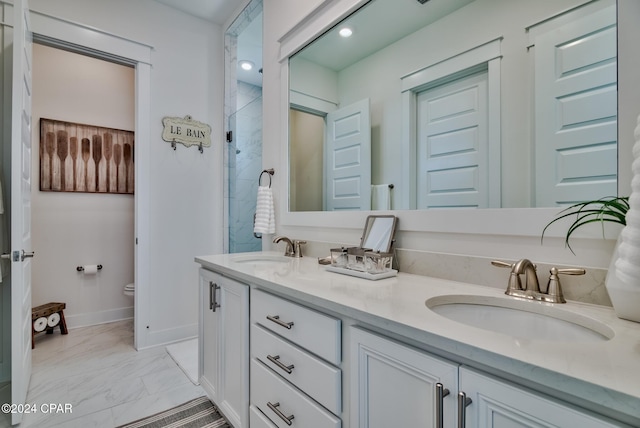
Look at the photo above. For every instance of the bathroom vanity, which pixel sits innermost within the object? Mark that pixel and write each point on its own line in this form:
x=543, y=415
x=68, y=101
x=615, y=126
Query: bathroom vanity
x=284, y=342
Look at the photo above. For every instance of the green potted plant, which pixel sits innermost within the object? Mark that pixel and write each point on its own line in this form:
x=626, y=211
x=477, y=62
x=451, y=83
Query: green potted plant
x=608, y=209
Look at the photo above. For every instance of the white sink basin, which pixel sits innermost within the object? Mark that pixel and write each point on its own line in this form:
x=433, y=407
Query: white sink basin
x=260, y=259
x=521, y=319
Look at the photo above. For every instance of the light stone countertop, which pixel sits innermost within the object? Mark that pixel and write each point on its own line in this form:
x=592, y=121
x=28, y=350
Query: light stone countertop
x=603, y=376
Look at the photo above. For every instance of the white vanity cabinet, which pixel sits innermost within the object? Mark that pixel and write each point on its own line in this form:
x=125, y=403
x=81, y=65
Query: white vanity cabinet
x=224, y=345
x=497, y=404
x=295, y=356
x=376, y=358
x=393, y=384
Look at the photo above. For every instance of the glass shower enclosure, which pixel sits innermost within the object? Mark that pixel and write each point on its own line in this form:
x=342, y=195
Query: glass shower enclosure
x=243, y=112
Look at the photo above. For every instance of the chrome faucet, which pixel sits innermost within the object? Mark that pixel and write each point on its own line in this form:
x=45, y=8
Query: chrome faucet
x=293, y=248
x=531, y=290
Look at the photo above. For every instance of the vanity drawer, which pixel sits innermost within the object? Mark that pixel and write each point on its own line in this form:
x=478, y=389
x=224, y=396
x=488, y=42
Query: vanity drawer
x=279, y=400
x=305, y=327
x=318, y=379
x=257, y=419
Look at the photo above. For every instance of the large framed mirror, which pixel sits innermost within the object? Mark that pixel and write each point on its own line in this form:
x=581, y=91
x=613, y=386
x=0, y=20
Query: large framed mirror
x=456, y=104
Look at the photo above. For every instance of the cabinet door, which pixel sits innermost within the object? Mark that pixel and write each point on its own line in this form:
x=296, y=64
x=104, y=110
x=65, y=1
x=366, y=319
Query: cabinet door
x=224, y=345
x=495, y=403
x=209, y=341
x=393, y=385
x=233, y=330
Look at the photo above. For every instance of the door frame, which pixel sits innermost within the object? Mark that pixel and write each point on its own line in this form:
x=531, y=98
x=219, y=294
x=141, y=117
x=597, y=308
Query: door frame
x=79, y=38
x=5, y=286
x=487, y=54
x=362, y=109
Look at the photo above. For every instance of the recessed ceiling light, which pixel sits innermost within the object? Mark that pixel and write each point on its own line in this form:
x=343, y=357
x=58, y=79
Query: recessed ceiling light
x=245, y=65
x=345, y=32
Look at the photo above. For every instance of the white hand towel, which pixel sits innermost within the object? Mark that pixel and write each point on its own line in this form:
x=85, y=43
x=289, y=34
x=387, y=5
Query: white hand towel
x=265, y=212
x=380, y=197
x=628, y=262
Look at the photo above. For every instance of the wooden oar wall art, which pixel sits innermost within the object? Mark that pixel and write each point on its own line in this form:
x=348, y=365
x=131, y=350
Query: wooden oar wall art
x=85, y=158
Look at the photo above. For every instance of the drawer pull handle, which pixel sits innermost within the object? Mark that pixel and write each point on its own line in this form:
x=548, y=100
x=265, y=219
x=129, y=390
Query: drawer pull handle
x=213, y=302
x=463, y=403
x=276, y=319
x=287, y=419
x=441, y=392
x=276, y=360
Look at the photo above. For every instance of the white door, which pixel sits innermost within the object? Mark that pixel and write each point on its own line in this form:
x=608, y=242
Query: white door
x=576, y=110
x=21, y=208
x=452, y=145
x=347, y=160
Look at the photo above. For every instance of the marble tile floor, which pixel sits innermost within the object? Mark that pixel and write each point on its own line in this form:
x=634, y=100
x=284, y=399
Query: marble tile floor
x=105, y=380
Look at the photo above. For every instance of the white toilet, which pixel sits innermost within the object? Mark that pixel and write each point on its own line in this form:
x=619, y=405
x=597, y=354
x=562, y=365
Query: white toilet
x=129, y=289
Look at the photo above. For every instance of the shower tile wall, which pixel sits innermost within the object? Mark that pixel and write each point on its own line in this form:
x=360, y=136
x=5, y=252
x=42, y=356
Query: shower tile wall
x=245, y=161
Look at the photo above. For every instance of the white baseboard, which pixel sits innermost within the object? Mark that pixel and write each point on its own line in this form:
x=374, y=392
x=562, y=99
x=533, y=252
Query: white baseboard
x=167, y=336
x=102, y=317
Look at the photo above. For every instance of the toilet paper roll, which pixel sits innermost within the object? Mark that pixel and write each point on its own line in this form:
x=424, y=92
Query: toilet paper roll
x=53, y=319
x=90, y=269
x=40, y=324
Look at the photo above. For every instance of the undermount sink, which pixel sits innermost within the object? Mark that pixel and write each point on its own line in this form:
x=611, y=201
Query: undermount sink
x=520, y=319
x=259, y=259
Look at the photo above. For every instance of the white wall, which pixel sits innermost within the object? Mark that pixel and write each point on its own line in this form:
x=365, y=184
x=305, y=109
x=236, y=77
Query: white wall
x=73, y=229
x=480, y=233
x=185, y=198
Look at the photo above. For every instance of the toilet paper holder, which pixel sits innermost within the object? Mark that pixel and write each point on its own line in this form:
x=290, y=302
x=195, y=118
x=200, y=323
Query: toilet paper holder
x=81, y=268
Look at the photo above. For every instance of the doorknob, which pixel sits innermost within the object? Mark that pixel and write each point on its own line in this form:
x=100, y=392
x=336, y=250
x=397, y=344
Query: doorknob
x=18, y=256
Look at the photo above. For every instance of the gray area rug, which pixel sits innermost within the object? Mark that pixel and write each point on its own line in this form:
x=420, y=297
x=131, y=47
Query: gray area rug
x=198, y=413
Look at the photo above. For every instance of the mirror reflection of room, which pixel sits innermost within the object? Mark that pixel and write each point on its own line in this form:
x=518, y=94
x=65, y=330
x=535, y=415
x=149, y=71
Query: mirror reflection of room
x=517, y=109
x=379, y=232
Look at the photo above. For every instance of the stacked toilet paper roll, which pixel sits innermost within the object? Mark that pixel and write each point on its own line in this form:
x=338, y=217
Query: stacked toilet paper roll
x=53, y=319
x=40, y=324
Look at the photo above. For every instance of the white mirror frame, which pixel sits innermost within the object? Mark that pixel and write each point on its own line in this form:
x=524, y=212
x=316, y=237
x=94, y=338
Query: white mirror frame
x=486, y=221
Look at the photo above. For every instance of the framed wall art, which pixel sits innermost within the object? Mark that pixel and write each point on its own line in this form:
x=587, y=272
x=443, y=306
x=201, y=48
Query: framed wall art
x=85, y=158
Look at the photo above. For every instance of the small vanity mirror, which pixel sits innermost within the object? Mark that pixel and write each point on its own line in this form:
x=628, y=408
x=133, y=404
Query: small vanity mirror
x=379, y=233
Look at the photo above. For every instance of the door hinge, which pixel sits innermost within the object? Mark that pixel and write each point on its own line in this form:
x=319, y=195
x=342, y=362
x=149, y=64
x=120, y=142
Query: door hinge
x=229, y=136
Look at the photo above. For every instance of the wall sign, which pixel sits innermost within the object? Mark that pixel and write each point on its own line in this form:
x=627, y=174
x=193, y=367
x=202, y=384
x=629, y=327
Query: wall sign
x=186, y=131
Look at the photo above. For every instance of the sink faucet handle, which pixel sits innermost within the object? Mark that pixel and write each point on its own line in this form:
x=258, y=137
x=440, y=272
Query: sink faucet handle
x=570, y=271
x=515, y=284
x=554, y=289
x=500, y=263
x=297, y=247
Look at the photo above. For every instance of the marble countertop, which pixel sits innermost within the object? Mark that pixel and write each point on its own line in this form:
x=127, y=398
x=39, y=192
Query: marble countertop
x=605, y=374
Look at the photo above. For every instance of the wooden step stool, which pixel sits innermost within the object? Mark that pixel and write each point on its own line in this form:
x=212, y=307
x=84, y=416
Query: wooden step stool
x=44, y=311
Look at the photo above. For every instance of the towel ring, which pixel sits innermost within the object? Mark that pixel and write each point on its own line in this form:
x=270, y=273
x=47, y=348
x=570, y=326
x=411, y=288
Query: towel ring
x=269, y=171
